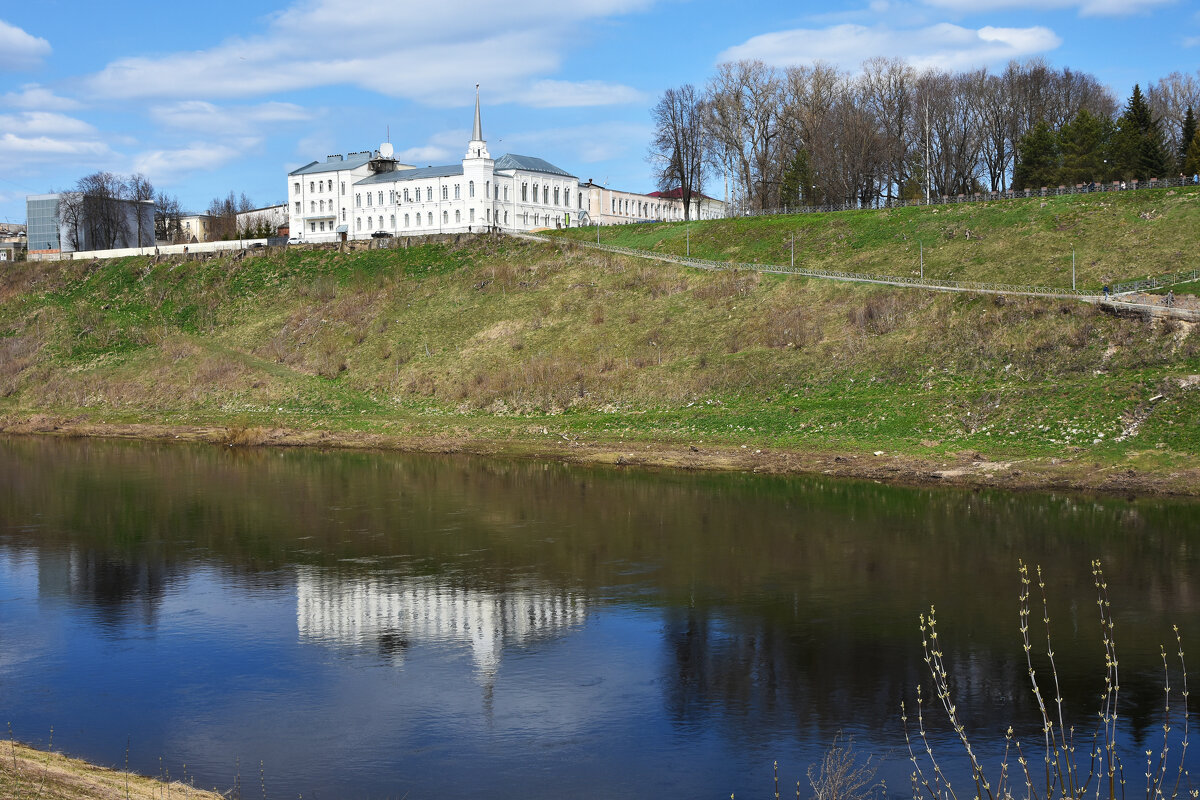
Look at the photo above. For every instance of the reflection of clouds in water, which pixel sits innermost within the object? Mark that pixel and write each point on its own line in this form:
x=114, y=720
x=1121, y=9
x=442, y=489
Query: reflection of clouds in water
x=391, y=614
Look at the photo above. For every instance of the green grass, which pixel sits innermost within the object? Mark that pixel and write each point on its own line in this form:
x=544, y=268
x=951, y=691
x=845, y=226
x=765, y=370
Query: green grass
x=1116, y=236
x=507, y=341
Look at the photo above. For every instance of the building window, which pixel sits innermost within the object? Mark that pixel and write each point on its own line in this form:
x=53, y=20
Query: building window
x=506, y=194
x=525, y=193
x=429, y=193
x=343, y=215
x=392, y=222
x=310, y=186
x=312, y=226
x=445, y=192
x=380, y=197
x=321, y=226
x=555, y=195
x=406, y=223
x=312, y=206
x=471, y=218
x=535, y=196
x=471, y=189
x=370, y=222
x=526, y=220
x=343, y=188
x=489, y=216
x=546, y=199
x=566, y=197
x=505, y=217
x=358, y=201
x=458, y=215
x=418, y=219
x=322, y=206
x=431, y=219
x=445, y=217
x=297, y=206
x=296, y=187
x=457, y=193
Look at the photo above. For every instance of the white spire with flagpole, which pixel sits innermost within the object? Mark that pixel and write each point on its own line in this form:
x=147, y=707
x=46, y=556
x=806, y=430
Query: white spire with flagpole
x=477, y=133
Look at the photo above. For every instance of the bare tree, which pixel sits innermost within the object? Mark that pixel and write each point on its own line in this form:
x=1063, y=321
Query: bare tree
x=224, y=211
x=95, y=215
x=888, y=92
x=743, y=102
x=140, y=191
x=1169, y=101
x=679, y=150
x=167, y=214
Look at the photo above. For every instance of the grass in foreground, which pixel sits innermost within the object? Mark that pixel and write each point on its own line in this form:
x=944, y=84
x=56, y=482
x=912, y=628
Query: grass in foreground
x=26, y=773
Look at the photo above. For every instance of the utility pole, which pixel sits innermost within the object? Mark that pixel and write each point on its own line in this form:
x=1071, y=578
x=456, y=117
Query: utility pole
x=922, y=244
x=1072, y=268
x=793, y=249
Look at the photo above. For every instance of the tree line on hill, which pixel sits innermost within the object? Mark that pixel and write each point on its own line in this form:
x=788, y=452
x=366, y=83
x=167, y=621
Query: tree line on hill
x=817, y=135
x=102, y=212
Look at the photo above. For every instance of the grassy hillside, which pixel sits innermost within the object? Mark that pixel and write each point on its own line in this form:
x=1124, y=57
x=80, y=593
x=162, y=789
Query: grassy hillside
x=1116, y=236
x=537, y=348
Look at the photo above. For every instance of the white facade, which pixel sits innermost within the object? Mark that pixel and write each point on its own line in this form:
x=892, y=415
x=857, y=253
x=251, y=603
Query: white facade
x=368, y=192
x=603, y=206
x=274, y=217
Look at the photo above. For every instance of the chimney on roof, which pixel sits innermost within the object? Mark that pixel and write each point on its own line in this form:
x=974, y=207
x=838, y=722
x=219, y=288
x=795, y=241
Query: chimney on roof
x=335, y=157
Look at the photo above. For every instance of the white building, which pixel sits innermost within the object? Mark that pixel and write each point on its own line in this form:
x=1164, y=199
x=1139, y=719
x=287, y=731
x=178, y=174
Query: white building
x=600, y=205
x=367, y=192
x=273, y=217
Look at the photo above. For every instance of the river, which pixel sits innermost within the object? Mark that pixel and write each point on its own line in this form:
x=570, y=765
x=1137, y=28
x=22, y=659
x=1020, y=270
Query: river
x=348, y=624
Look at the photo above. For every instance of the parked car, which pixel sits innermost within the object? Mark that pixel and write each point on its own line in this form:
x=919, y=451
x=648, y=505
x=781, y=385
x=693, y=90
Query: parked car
x=295, y=240
x=380, y=235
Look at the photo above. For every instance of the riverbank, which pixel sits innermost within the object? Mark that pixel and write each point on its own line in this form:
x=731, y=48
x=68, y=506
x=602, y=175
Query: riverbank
x=507, y=347
x=29, y=773
x=1146, y=475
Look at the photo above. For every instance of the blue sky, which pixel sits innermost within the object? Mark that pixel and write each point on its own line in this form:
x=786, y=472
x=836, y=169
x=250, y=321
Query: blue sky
x=225, y=95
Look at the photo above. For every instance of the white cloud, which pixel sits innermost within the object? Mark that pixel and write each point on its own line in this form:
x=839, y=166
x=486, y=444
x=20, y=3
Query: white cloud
x=1191, y=41
x=442, y=147
x=587, y=144
x=165, y=165
x=39, y=136
x=942, y=46
x=204, y=117
x=1087, y=8
x=38, y=98
x=19, y=50
x=566, y=94
x=431, y=52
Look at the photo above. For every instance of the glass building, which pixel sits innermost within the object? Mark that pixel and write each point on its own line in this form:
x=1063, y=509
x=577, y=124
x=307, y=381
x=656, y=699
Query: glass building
x=41, y=216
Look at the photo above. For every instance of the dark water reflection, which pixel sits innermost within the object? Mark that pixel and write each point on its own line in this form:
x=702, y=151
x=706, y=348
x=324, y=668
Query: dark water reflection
x=372, y=625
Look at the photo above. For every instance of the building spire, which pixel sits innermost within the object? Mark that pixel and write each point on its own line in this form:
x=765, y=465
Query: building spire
x=477, y=134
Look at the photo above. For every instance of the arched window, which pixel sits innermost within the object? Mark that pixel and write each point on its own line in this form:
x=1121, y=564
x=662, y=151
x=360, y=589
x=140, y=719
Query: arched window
x=357, y=200
x=431, y=218
x=535, y=196
x=505, y=217
x=368, y=199
x=489, y=216
x=506, y=194
x=370, y=222
x=343, y=215
x=358, y=223
x=445, y=192
x=311, y=186
x=567, y=197
x=471, y=189
x=546, y=199
x=445, y=217
x=380, y=197
x=406, y=223
x=312, y=206
x=322, y=202
x=406, y=196
x=457, y=193
x=296, y=186
x=392, y=222
x=555, y=195
x=458, y=215
x=525, y=193
x=418, y=219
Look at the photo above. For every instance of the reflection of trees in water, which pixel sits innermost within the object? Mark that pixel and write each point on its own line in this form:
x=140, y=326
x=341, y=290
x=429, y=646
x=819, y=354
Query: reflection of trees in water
x=790, y=597
x=113, y=589
x=753, y=675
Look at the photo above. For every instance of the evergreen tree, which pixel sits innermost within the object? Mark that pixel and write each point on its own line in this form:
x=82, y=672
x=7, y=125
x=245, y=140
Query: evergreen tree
x=1185, y=140
x=1191, y=160
x=1141, y=152
x=796, y=183
x=1083, y=144
x=1038, y=161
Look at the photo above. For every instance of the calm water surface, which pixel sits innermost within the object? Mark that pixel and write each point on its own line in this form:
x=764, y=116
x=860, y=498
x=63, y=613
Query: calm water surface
x=379, y=625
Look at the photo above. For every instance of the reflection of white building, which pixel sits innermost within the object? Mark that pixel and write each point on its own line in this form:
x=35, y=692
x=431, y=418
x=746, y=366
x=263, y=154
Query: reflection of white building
x=370, y=611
